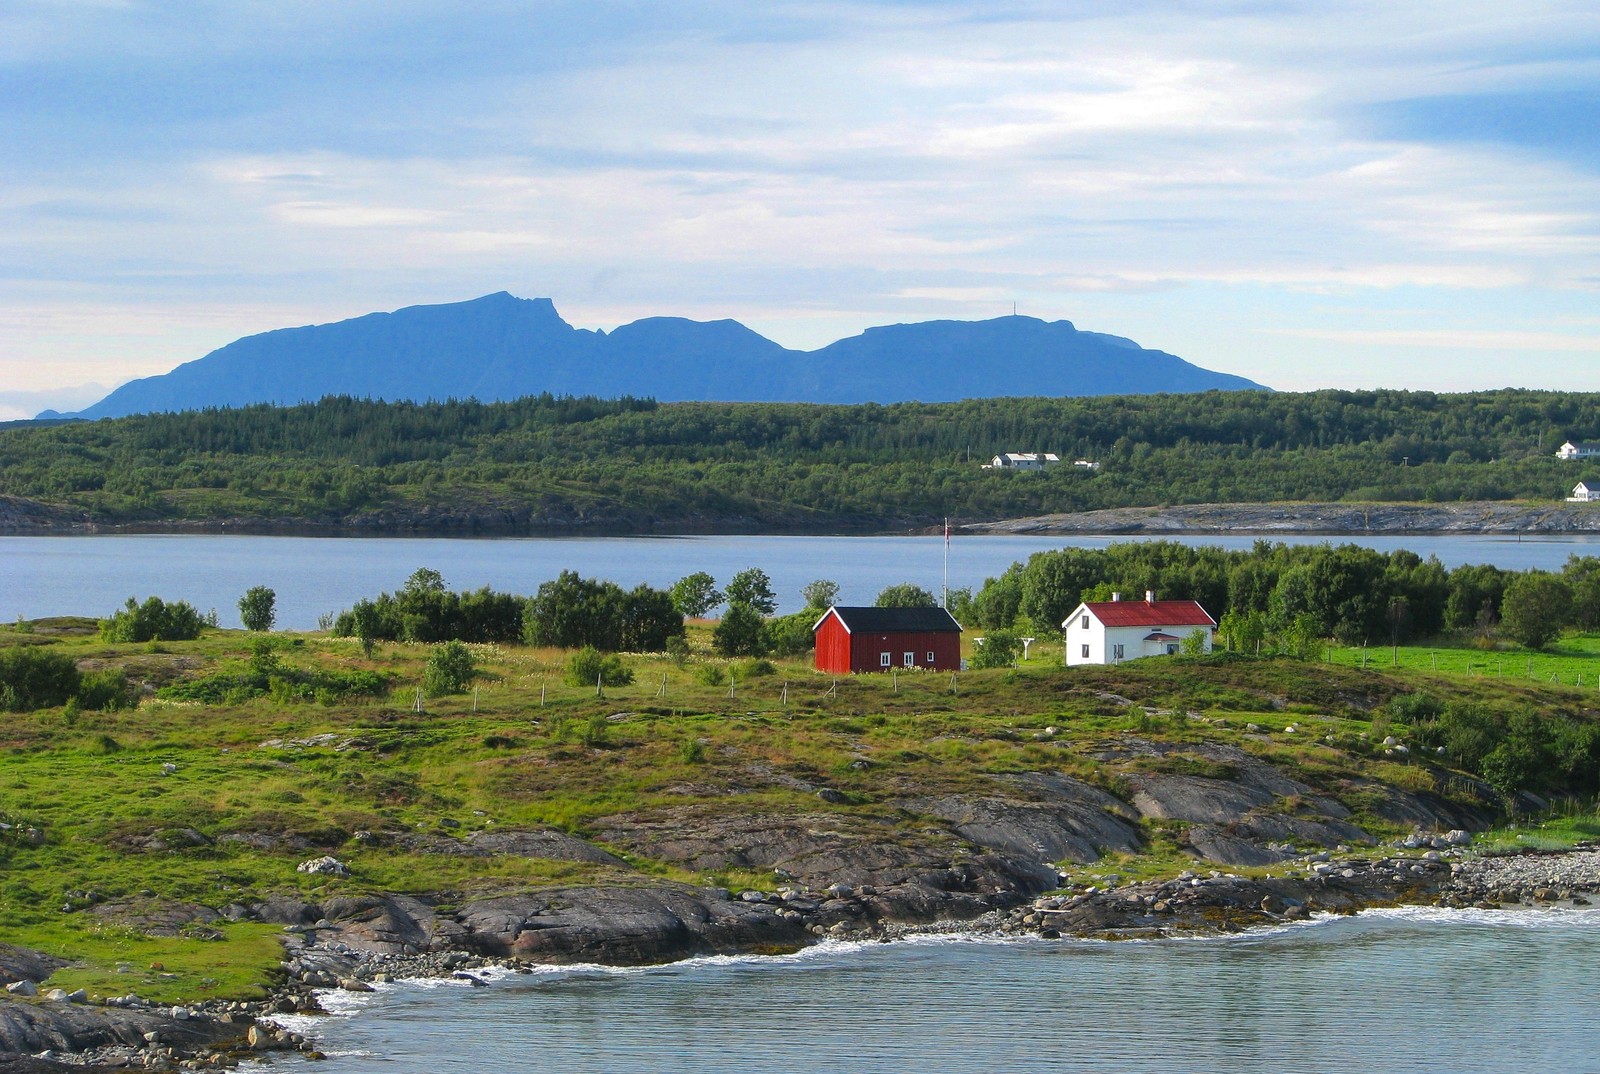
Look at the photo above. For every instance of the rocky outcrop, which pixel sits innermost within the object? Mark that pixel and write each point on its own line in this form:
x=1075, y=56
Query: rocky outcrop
x=72, y=1028
x=20, y=516
x=1495, y=516
x=819, y=849
x=21, y=964
x=552, y=846
x=1076, y=822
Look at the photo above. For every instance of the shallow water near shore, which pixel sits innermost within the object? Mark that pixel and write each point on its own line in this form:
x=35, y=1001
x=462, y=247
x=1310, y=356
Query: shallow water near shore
x=1405, y=990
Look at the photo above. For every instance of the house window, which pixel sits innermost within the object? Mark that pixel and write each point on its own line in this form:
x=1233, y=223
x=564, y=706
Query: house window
x=1086, y=622
x=1116, y=651
x=883, y=659
x=930, y=656
x=909, y=659
x=1086, y=652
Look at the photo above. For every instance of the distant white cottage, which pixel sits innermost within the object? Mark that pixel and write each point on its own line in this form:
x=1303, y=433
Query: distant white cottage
x=1023, y=460
x=1586, y=450
x=1582, y=493
x=1109, y=632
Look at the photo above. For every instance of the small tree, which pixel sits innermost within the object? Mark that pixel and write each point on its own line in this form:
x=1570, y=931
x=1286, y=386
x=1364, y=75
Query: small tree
x=695, y=594
x=1536, y=606
x=999, y=650
x=742, y=632
x=820, y=594
x=752, y=588
x=1194, y=643
x=906, y=595
x=450, y=669
x=258, y=608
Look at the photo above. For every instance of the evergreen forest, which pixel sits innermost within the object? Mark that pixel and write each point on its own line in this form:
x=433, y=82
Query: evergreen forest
x=554, y=464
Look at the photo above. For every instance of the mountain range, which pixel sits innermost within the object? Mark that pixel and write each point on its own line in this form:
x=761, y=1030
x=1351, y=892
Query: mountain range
x=503, y=347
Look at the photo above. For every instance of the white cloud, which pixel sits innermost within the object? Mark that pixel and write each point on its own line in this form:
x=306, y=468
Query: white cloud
x=815, y=166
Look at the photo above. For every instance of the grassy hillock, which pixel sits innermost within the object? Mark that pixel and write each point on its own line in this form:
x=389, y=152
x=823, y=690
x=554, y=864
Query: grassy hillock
x=131, y=832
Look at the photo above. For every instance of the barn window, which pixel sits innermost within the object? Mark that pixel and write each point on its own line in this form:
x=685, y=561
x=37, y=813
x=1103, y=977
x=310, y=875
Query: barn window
x=883, y=659
x=909, y=659
x=930, y=656
x=1086, y=652
x=1086, y=622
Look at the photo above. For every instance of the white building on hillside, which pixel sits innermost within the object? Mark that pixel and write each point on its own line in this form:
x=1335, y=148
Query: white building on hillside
x=1024, y=460
x=1582, y=493
x=1583, y=450
x=1109, y=632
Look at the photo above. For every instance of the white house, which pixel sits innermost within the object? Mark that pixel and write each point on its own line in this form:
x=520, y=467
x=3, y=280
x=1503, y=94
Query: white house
x=1582, y=493
x=1024, y=460
x=1111, y=631
x=1584, y=450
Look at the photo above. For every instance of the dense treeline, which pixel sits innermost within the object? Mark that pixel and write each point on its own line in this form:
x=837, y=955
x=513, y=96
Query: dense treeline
x=1293, y=596
x=635, y=463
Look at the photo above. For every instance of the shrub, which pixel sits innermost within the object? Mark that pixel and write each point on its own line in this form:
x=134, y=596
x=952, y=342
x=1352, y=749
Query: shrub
x=595, y=729
x=754, y=668
x=678, y=649
x=999, y=650
x=34, y=678
x=791, y=634
x=589, y=666
x=450, y=669
x=154, y=620
x=107, y=690
x=710, y=675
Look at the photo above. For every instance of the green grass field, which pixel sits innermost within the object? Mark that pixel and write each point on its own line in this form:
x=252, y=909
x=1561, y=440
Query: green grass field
x=1572, y=661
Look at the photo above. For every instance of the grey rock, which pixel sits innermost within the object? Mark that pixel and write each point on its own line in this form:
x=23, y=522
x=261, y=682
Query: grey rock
x=552, y=846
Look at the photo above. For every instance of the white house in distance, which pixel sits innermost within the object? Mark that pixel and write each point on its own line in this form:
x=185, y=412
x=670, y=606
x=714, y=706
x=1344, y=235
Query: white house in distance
x=1582, y=493
x=1111, y=631
x=1584, y=450
x=1023, y=460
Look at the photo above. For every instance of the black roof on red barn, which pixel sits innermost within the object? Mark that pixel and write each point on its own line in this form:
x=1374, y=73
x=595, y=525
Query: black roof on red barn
x=894, y=620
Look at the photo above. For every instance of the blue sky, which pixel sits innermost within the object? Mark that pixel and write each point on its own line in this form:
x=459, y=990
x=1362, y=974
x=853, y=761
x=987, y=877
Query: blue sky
x=1309, y=194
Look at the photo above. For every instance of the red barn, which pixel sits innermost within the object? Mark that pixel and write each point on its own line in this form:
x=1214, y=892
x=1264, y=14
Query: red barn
x=877, y=639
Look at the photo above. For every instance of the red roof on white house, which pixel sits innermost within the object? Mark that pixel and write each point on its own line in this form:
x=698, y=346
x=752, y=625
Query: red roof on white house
x=1149, y=613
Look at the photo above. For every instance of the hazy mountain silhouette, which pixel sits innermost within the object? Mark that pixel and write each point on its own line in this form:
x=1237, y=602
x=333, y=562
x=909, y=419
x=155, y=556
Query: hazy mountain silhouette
x=502, y=347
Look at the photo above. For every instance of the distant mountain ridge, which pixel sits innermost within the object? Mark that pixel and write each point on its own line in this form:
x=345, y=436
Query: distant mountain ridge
x=501, y=347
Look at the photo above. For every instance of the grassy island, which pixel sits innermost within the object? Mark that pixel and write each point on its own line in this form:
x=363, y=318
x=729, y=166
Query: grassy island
x=134, y=835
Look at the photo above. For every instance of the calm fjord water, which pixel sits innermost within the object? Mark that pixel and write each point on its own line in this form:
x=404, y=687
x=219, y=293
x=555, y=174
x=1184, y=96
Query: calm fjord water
x=42, y=576
x=1405, y=991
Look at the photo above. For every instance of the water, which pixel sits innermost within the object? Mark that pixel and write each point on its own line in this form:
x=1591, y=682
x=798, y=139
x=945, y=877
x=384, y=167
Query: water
x=42, y=576
x=1408, y=991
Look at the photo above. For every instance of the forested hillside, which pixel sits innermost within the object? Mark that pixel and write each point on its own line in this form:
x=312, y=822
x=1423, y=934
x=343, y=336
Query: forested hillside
x=545, y=463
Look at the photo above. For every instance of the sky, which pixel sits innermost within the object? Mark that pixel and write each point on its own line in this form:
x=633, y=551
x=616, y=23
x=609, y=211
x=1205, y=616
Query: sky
x=1318, y=194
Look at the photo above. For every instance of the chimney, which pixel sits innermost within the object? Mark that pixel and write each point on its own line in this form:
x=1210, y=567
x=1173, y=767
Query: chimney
x=1149, y=596
x=1116, y=596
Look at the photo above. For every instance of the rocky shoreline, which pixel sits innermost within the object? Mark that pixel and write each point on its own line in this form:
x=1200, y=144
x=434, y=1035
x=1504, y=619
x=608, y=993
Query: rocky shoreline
x=1311, y=519
x=22, y=517
x=360, y=943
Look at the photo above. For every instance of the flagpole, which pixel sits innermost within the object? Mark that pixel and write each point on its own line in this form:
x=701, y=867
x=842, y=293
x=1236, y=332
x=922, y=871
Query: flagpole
x=944, y=593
